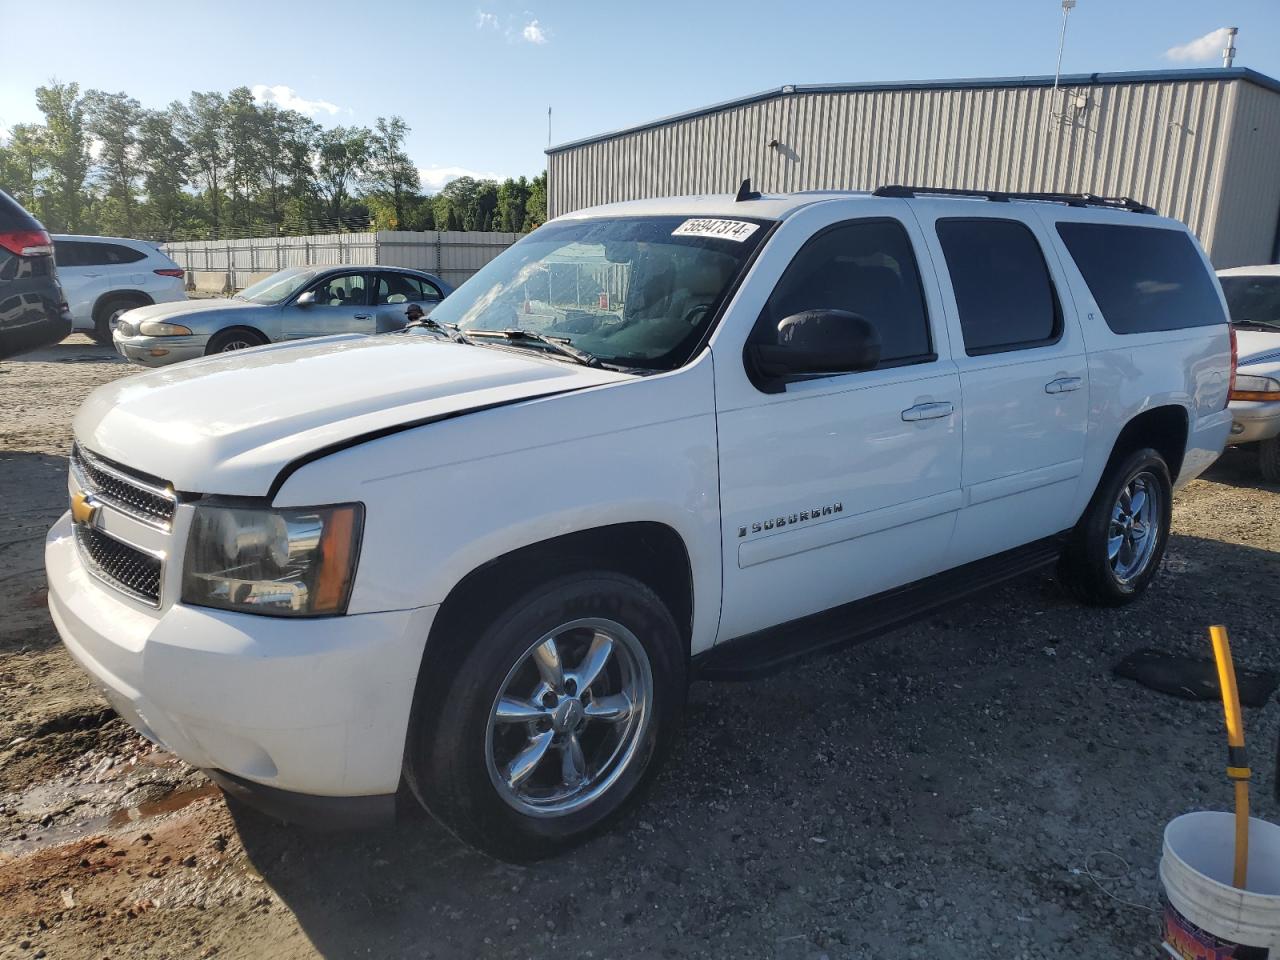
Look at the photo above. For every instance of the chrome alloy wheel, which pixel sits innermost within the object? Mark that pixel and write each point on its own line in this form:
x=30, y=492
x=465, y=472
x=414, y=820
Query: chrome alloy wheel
x=236, y=345
x=1135, y=527
x=558, y=736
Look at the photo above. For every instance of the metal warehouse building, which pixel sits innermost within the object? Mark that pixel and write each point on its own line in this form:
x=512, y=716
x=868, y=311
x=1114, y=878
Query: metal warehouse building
x=1199, y=145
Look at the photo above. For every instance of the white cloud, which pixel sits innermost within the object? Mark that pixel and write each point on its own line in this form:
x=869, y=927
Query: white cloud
x=486, y=20
x=534, y=32
x=434, y=178
x=1208, y=47
x=288, y=98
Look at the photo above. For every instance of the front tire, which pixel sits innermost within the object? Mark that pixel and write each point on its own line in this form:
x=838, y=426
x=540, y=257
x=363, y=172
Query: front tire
x=552, y=719
x=1269, y=459
x=236, y=338
x=108, y=312
x=1116, y=548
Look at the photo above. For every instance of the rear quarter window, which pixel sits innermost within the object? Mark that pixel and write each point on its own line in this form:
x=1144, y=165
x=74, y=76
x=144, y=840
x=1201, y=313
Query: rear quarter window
x=1144, y=279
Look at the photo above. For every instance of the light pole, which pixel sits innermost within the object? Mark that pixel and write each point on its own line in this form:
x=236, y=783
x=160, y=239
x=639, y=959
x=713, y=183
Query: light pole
x=1067, y=6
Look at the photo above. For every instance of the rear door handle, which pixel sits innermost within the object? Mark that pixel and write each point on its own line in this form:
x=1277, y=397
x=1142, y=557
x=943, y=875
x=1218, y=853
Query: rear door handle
x=928, y=411
x=1063, y=385
x=362, y=316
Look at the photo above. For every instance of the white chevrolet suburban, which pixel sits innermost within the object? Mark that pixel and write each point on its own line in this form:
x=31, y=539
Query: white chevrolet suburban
x=654, y=441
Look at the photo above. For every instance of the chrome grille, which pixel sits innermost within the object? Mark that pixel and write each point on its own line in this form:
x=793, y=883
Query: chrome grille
x=126, y=568
x=143, y=498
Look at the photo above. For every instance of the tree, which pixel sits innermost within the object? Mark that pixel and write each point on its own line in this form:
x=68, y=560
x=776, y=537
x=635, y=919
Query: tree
x=513, y=195
x=201, y=124
x=22, y=168
x=535, y=208
x=390, y=171
x=113, y=121
x=66, y=154
x=245, y=127
x=165, y=170
x=341, y=157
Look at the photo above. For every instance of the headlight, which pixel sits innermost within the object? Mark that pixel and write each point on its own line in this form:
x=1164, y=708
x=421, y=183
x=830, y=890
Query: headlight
x=295, y=562
x=1249, y=387
x=158, y=328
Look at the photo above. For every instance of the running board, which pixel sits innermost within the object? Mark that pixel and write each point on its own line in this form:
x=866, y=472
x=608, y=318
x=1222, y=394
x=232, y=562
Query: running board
x=775, y=648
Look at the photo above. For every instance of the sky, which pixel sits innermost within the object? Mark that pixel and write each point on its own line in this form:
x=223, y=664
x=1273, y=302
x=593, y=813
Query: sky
x=474, y=80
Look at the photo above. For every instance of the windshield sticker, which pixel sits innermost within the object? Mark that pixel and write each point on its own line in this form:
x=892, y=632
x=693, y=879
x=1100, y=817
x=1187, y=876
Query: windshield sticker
x=735, y=230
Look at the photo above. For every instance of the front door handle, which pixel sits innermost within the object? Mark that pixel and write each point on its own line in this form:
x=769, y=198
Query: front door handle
x=362, y=316
x=928, y=411
x=1063, y=385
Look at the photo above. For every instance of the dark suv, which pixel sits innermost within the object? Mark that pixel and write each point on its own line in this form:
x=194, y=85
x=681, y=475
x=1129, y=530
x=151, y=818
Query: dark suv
x=33, y=312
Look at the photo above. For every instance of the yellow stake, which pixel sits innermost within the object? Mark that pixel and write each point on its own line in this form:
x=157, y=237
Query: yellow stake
x=1237, y=762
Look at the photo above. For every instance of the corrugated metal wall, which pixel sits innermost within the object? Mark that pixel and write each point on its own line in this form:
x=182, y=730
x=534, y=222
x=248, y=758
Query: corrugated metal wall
x=1249, y=214
x=1164, y=143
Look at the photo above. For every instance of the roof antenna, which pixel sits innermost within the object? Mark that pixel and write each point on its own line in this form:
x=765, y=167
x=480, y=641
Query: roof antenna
x=746, y=193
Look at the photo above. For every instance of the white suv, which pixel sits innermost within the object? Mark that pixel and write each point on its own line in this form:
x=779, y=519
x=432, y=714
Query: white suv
x=651, y=442
x=103, y=277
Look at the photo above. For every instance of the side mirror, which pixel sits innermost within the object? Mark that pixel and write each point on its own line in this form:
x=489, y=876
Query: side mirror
x=818, y=342
x=306, y=299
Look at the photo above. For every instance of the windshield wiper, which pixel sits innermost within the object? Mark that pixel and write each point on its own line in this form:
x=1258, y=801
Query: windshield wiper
x=1265, y=324
x=450, y=330
x=560, y=345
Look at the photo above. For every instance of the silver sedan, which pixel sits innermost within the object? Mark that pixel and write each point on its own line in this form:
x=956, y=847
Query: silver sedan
x=293, y=303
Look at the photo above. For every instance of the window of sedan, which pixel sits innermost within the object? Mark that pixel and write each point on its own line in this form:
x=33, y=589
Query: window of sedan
x=341, y=290
x=391, y=288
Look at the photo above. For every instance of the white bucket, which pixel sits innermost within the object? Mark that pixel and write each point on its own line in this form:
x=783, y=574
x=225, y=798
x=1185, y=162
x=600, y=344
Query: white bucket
x=1199, y=853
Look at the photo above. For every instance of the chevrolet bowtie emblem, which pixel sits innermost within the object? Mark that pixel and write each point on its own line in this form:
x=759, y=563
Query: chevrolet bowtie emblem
x=83, y=507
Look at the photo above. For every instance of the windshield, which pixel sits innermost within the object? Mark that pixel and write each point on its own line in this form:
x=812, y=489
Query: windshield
x=276, y=287
x=632, y=291
x=1253, y=299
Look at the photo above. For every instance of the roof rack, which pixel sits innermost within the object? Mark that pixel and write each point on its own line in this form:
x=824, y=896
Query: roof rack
x=999, y=196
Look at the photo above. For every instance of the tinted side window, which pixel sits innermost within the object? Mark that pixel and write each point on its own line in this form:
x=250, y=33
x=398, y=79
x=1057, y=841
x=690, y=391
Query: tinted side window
x=865, y=267
x=69, y=253
x=1003, y=291
x=402, y=288
x=1143, y=278
x=111, y=253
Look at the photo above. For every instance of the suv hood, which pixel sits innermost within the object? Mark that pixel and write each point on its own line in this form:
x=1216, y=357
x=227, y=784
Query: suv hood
x=227, y=424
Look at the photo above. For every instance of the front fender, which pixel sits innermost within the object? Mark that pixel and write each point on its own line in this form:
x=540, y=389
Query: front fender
x=443, y=499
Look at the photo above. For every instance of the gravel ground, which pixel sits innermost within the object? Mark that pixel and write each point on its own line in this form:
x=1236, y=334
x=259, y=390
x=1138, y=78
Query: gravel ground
x=976, y=785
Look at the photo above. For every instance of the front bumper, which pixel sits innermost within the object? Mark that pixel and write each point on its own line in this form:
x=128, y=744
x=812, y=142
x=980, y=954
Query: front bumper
x=159, y=351
x=313, y=707
x=1254, y=420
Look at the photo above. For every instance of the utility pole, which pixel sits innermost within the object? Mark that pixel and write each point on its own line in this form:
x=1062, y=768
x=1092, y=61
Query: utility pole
x=548, y=128
x=1067, y=6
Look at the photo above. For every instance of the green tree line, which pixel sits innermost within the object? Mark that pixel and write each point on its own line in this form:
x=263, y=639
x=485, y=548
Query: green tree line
x=225, y=165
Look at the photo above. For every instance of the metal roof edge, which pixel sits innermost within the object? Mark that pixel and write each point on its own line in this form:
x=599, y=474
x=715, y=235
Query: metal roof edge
x=1066, y=79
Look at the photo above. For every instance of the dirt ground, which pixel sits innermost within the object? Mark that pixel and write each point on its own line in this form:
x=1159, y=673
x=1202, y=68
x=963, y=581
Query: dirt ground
x=977, y=785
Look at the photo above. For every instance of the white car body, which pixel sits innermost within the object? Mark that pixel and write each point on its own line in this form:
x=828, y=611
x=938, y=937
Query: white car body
x=462, y=454
x=1256, y=421
x=101, y=272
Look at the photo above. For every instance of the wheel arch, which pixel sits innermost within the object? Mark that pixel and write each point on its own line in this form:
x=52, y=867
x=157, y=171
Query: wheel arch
x=651, y=552
x=125, y=293
x=1164, y=428
x=239, y=327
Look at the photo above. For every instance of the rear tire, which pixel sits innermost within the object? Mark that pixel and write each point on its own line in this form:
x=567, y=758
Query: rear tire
x=1116, y=548
x=106, y=312
x=522, y=765
x=235, y=338
x=1269, y=459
